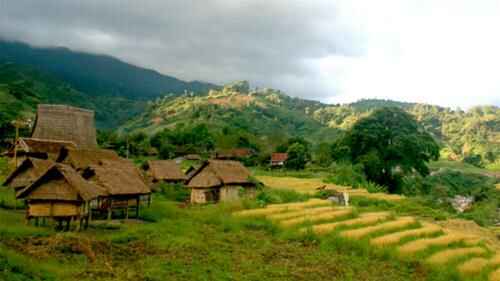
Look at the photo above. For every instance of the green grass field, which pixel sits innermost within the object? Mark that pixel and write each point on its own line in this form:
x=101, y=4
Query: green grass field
x=194, y=243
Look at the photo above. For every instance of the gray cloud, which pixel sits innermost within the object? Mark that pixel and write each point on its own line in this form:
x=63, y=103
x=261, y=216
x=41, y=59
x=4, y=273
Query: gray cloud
x=266, y=42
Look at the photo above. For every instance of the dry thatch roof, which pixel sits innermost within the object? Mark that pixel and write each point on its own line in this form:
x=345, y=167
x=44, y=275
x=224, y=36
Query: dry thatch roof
x=29, y=170
x=215, y=173
x=117, y=178
x=40, y=148
x=167, y=170
x=80, y=159
x=61, y=183
x=65, y=123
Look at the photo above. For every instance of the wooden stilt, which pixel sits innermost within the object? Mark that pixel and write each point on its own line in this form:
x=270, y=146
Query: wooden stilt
x=137, y=210
x=37, y=221
x=109, y=210
x=126, y=211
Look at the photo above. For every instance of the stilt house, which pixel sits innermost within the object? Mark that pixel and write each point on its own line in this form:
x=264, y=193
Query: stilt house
x=29, y=171
x=60, y=193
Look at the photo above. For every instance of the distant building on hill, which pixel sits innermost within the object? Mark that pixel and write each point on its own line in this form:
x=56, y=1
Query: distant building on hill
x=233, y=154
x=278, y=159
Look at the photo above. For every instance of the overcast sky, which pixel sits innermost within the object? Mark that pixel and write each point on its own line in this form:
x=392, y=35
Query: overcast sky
x=444, y=52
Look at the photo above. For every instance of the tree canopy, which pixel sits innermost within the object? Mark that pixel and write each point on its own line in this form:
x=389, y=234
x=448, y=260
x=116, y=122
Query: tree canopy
x=388, y=143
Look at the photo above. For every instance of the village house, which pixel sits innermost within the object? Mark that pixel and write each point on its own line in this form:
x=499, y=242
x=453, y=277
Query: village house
x=233, y=154
x=278, y=159
x=220, y=180
x=164, y=171
x=27, y=172
x=80, y=159
x=65, y=123
x=123, y=186
x=37, y=148
x=61, y=194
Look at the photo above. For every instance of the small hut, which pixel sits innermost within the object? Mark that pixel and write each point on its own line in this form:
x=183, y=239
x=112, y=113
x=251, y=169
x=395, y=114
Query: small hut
x=80, y=159
x=278, y=159
x=65, y=123
x=219, y=180
x=29, y=171
x=123, y=185
x=164, y=171
x=37, y=148
x=60, y=193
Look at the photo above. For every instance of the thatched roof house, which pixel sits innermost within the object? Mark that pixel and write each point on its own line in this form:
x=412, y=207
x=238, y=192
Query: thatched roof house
x=219, y=180
x=59, y=192
x=165, y=170
x=39, y=148
x=65, y=123
x=117, y=178
x=80, y=159
x=29, y=171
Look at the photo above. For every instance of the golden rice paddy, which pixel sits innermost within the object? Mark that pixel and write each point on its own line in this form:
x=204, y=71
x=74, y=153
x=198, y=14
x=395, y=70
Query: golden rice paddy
x=386, y=226
x=301, y=205
x=257, y=212
x=298, y=213
x=446, y=256
x=473, y=266
x=495, y=275
x=364, y=219
x=422, y=244
x=330, y=215
x=395, y=238
x=309, y=186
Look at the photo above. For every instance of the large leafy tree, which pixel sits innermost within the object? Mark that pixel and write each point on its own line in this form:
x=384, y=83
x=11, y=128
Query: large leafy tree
x=388, y=143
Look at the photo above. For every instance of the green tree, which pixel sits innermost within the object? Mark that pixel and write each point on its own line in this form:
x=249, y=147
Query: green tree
x=297, y=157
x=389, y=143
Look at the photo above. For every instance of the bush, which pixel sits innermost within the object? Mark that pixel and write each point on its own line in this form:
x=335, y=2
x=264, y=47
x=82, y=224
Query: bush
x=347, y=175
x=174, y=192
x=277, y=196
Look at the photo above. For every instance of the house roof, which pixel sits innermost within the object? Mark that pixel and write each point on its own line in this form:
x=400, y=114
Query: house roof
x=279, y=157
x=29, y=170
x=80, y=159
x=165, y=170
x=117, y=178
x=61, y=182
x=40, y=146
x=234, y=153
x=65, y=123
x=219, y=172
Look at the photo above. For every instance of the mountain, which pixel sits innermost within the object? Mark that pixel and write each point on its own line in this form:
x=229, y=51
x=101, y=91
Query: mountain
x=98, y=75
x=269, y=116
x=23, y=87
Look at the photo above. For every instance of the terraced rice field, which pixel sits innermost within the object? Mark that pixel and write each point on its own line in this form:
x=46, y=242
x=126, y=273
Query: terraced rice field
x=406, y=237
x=309, y=186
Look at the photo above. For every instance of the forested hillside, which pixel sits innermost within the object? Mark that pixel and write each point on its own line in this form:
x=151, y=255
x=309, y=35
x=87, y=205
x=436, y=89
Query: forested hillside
x=270, y=117
x=23, y=87
x=98, y=75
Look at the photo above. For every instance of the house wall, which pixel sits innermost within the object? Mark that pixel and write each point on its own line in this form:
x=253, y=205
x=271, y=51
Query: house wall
x=199, y=196
x=53, y=209
x=229, y=193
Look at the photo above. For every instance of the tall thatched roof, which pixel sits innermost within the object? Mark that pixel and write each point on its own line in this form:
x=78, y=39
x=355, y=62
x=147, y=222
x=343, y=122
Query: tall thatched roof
x=65, y=123
x=165, y=170
x=80, y=159
x=61, y=183
x=215, y=173
x=29, y=170
x=117, y=178
x=40, y=148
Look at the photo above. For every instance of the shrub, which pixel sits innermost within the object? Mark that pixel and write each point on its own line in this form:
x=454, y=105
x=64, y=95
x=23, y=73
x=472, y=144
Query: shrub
x=347, y=175
x=174, y=192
